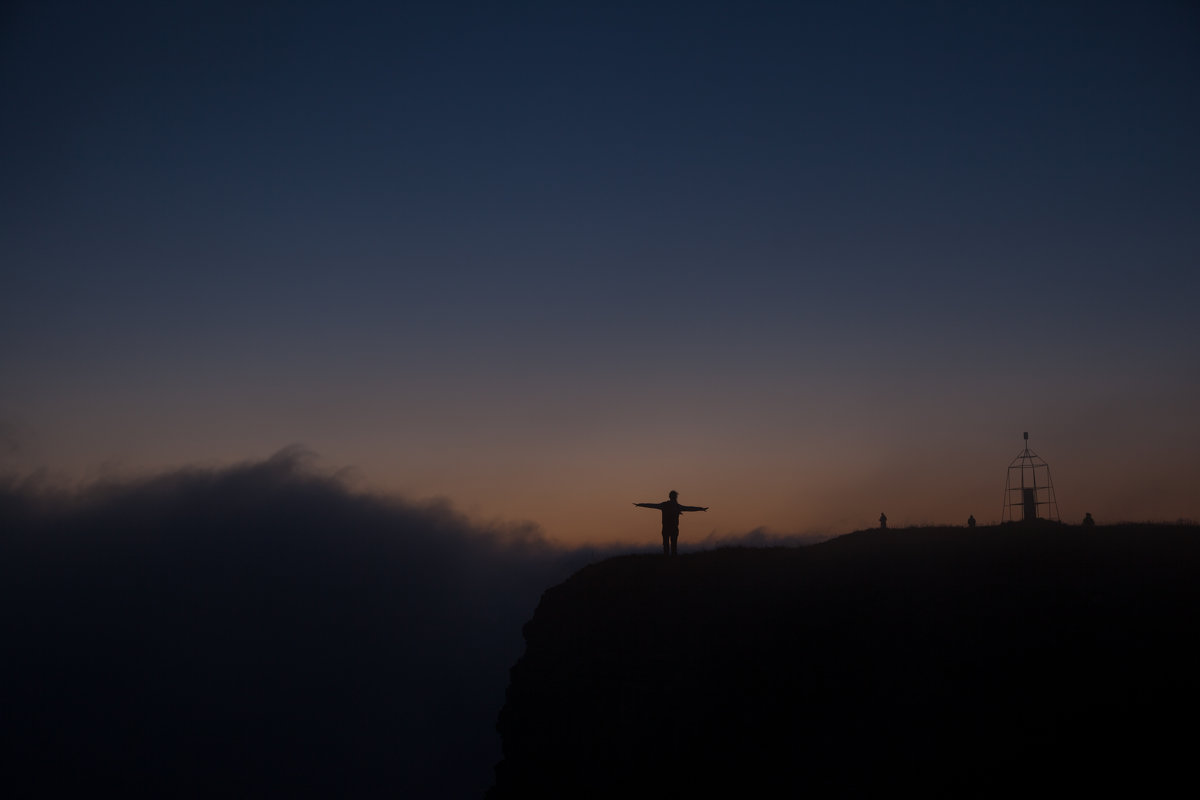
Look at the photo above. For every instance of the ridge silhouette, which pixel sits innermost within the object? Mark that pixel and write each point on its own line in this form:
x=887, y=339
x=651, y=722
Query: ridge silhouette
x=920, y=659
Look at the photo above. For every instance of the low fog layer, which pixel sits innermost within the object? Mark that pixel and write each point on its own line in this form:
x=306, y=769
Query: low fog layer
x=258, y=627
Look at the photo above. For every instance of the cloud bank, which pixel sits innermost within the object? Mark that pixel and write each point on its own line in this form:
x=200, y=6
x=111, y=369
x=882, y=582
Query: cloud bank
x=259, y=628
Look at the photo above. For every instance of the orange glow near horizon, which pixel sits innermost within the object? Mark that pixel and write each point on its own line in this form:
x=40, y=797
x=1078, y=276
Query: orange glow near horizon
x=791, y=460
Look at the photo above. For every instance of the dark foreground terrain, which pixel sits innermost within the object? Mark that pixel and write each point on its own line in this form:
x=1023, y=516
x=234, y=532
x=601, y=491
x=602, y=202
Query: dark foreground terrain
x=939, y=660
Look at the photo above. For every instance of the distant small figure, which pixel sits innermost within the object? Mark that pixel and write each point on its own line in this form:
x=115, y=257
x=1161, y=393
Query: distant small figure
x=882, y=521
x=971, y=521
x=670, y=520
x=1087, y=520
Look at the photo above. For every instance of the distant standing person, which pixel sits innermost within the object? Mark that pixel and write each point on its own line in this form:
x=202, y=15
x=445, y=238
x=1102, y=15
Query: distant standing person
x=1087, y=520
x=971, y=521
x=670, y=523
x=882, y=521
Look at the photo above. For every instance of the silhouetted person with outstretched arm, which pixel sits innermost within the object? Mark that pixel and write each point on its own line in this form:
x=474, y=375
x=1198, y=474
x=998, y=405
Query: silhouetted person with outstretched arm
x=670, y=513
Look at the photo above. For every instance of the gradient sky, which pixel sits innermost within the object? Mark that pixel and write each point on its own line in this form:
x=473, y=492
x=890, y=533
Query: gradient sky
x=802, y=262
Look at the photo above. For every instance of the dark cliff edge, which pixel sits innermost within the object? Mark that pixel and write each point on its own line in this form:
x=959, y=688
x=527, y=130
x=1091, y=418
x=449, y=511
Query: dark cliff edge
x=936, y=659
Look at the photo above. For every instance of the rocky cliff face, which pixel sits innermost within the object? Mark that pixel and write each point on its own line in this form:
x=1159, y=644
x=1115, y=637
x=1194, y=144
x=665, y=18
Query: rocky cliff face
x=940, y=660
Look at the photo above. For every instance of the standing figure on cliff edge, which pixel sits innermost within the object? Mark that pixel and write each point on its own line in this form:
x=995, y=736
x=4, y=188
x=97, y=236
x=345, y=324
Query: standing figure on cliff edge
x=671, y=511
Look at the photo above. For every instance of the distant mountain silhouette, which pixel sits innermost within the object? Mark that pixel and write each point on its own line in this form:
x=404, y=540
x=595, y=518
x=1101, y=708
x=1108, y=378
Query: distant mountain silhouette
x=949, y=662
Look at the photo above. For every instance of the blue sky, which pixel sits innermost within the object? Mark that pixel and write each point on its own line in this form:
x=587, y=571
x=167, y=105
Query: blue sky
x=538, y=257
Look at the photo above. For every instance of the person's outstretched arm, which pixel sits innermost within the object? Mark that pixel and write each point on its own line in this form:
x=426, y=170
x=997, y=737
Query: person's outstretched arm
x=649, y=505
x=693, y=508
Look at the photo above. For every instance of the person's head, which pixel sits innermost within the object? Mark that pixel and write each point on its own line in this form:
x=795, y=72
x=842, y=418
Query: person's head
x=673, y=494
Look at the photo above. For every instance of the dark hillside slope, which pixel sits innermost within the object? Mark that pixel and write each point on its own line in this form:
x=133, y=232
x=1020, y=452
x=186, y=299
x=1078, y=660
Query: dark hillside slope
x=934, y=659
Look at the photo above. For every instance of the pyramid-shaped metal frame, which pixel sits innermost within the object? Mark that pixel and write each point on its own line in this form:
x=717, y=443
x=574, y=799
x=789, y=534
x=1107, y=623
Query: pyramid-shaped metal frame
x=1031, y=482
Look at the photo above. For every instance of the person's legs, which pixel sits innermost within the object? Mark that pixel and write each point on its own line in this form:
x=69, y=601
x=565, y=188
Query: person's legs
x=674, y=542
x=666, y=542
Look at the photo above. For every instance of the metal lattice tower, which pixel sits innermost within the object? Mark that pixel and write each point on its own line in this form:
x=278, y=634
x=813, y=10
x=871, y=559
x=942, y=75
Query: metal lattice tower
x=1028, y=490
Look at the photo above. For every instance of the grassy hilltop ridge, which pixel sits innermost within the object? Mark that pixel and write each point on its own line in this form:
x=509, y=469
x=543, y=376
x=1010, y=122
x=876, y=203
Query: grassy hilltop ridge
x=936, y=658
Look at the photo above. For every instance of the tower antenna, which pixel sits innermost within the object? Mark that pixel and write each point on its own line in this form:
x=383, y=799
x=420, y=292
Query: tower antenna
x=1028, y=489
